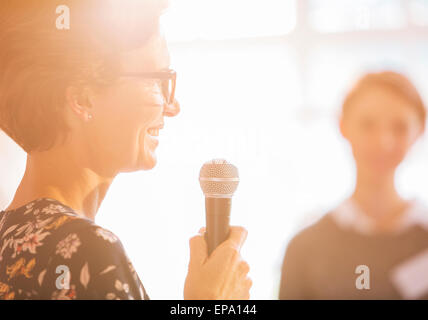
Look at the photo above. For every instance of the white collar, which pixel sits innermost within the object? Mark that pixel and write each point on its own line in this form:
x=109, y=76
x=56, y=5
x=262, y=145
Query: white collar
x=348, y=215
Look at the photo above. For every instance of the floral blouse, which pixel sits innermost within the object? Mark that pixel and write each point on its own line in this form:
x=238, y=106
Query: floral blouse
x=47, y=251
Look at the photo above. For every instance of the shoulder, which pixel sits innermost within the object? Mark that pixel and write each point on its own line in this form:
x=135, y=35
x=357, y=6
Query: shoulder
x=314, y=236
x=319, y=229
x=60, y=220
x=57, y=240
x=67, y=235
x=75, y=239
x=417, y=215
x=87, y=236
x=97, y=263
x=93, y=257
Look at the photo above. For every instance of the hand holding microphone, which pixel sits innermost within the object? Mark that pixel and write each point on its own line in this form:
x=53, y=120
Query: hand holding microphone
x=220, y=276
x=216, y=269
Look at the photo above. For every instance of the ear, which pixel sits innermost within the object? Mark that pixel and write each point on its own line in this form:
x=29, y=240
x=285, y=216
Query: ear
x=77, y=100
x=420, y=132
x=342, y=127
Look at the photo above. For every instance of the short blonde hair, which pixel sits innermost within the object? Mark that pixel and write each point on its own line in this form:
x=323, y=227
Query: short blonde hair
x=392, y=81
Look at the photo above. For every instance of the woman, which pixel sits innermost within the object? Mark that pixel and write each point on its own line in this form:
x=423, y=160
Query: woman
x=87, y=103
x=361, y=249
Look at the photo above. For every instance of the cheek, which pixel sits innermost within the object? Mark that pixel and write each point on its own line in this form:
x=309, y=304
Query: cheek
x=132, y=131
x=367, y=152
x=361, y=144
x=403, y=146
x=121, y=136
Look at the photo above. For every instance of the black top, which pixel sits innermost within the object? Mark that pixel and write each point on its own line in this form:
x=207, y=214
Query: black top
x=321, y=261
x=47, y=251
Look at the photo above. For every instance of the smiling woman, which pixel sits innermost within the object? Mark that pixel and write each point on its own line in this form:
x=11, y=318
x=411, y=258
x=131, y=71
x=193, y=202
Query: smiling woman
x=86, y=104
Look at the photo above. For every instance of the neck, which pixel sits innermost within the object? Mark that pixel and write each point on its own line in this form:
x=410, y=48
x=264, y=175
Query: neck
x=377, y=196
x=60, y=176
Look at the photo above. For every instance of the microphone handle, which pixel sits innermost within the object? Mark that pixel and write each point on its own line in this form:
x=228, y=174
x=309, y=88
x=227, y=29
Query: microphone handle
x=217, y=213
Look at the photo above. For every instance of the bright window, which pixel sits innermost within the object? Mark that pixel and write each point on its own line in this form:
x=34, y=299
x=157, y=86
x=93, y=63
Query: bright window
x=351, y=15
x=224, y=19
x=419, y=12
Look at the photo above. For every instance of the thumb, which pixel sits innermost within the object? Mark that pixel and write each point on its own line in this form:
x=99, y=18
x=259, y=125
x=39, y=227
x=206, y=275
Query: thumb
x=198, y=250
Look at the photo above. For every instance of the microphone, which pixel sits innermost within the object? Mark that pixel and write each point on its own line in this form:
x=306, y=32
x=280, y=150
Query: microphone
x=219, y=180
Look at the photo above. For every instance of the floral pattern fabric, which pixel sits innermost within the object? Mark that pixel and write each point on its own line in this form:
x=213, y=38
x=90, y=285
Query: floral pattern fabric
x=47, y=251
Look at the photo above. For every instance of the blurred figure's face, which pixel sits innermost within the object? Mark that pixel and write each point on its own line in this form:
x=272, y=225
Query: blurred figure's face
x=127, y=118
x=381, y=126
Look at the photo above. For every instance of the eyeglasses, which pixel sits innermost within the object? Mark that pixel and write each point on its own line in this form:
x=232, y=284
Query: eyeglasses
x=168, y=81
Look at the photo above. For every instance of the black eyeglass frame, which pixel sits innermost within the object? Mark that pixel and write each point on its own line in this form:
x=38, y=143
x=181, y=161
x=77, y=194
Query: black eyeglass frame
x=162, y=75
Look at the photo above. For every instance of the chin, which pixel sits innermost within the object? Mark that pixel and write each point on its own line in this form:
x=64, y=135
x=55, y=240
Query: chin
x=144, y=162
x=149, y=165
x=140, y=167
x=148, y=160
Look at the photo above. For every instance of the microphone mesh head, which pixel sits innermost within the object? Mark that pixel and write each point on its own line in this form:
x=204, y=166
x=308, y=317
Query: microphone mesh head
x=218, y=179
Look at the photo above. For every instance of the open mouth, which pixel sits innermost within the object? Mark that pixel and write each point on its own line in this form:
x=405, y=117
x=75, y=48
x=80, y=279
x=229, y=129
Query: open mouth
x=154, y=131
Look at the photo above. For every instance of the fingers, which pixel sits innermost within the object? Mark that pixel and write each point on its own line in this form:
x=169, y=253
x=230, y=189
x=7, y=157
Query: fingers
x=198, y=250
x=243, y=268
x=237, y=237
x=241, y=289
x=248, y=283
x=202, y=231
x=230, y=249
x=244, y=283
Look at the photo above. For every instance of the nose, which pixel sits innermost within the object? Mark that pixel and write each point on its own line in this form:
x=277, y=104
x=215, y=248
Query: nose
x=172, y=109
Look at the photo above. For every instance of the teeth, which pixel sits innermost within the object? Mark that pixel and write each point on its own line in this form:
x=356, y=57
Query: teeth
x=154, y=132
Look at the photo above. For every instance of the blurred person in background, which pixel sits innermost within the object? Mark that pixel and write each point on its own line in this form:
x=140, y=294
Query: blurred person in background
x=372, y=245
x=87, y=103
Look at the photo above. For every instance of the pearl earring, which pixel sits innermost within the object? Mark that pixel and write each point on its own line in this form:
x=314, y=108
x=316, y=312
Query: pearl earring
x=88, y=117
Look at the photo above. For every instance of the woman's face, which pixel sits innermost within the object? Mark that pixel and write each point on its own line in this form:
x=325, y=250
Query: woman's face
x=381, y=126
x=123, y=132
